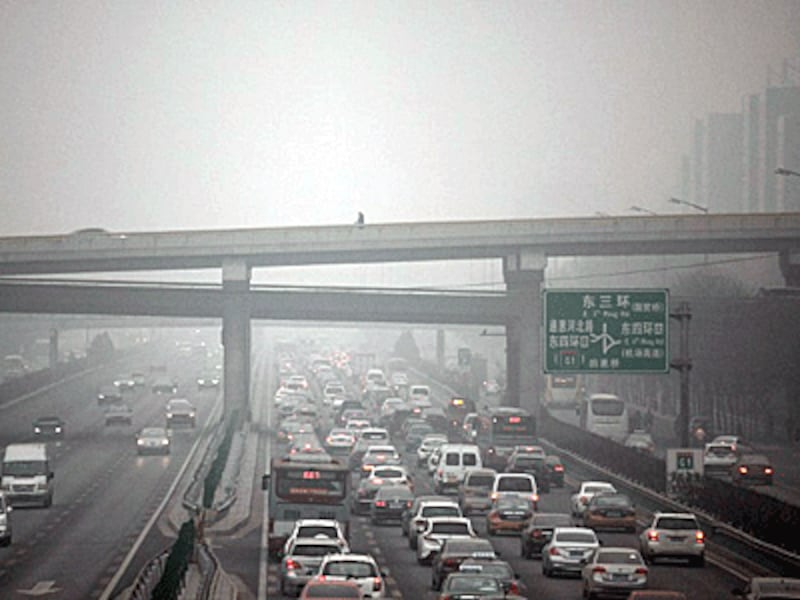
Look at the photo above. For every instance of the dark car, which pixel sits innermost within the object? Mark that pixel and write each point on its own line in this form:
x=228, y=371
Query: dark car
x=539, y=531
x=109, y=395
x=471, y=586
x=610, y=511
x=752, y=469
x=500, y=569
x=165, y=385
x=52, y=427
x=456, y=551
x=555, y=470
x=509, y=514
x=533, y=464
x=389, y=503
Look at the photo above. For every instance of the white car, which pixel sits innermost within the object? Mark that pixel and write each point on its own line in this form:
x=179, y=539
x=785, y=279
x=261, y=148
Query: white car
x=419, y=392
x=675, y=535
x=391, y=473
x=719, y=458
x=578, y=502
x=438, y=529
x=428, y=444
x=614, y=571
x=359, y=568
x=315, y=528
x=568, y=550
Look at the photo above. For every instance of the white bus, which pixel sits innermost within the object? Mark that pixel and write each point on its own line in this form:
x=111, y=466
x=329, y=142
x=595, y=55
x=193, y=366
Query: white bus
x=605, y=415
x=564, y=391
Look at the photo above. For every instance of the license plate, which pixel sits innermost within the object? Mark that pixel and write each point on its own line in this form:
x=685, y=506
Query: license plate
x=619, y=577
x=674, y=538
x=395, y=504
x=576, y=553
x=514, y=517
x=613, y=514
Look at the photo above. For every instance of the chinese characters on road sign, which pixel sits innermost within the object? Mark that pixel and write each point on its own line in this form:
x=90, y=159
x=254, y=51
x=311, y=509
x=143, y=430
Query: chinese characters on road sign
x=606, y=331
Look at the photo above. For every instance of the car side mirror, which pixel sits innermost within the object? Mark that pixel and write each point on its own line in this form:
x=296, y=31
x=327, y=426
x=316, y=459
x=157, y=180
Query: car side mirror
x=385, y=572
x=265, y=481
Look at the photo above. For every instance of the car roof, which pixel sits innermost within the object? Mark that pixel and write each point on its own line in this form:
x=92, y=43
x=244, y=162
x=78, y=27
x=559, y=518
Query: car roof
x=316, y=522
x=350, y=558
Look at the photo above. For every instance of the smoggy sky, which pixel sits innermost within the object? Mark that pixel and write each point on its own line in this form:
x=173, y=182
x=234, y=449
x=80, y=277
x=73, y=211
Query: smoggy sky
x=136, y=116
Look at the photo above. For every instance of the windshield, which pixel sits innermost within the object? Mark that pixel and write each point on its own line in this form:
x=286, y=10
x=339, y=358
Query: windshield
x=451, y=528
x=576, y=537
x=25, y=468
x=481, y=481
x=441, y=511
x=350, y=568
x=608, y=407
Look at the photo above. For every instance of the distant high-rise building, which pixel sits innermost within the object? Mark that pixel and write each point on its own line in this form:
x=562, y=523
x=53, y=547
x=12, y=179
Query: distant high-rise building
x=787, y=189
x=734, y=156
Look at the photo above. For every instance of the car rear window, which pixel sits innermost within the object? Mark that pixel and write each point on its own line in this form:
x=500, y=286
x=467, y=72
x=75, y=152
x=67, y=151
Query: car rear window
x=514, y=484
x=620, y=558
x=450, y=528
x=315, y=550
x=350, y=568
x=470, y=460
x=481, y=481
x=676, y=523
x=440, y=511
x=576, y=537
x=309, y=531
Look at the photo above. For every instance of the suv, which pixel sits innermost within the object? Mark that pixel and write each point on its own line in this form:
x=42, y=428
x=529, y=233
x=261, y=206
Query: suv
x=515, y=484
x=673, y=535
x=532, y=463
x=119, y=414
x=473, y=493
x=180, y=412
x=423, y=509
x=719, y=458
x=360, y=568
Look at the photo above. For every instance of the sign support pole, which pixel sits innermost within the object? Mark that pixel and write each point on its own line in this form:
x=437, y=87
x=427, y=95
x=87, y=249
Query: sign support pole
x=683, y=364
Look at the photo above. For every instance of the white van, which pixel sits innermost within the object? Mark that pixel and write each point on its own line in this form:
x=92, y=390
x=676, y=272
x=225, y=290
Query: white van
x=455, y=460
x=27, y=478
x=515, y=484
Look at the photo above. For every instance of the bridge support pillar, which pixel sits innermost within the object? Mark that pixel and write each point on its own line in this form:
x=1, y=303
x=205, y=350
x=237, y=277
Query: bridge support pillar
x=790, y=267
x=236, y=337
x=440, y=349
x=524, y=274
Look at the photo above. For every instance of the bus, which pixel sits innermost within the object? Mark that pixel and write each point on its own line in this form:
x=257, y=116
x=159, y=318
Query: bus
x=507, y=427
x=564, y=391
x=605, y=415
x=305, y=487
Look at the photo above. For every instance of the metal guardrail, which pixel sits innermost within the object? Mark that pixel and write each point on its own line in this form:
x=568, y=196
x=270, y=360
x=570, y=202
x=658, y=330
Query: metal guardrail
x=771, y=559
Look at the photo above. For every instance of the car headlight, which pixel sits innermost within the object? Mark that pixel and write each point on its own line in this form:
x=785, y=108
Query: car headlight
x=169, y=415
x=41, y=486
x=140, y=442
x=58, y=429
x=165, y=442
x=37, y=430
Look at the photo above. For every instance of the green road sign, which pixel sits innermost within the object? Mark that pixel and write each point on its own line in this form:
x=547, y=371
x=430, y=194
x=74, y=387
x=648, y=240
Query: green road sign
x=606, y=331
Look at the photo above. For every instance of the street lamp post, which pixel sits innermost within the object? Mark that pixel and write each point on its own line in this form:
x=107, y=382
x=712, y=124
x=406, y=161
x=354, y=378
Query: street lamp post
x=703, y=209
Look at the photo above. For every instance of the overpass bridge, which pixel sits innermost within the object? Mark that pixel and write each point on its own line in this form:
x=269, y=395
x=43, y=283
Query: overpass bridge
x=523, y=246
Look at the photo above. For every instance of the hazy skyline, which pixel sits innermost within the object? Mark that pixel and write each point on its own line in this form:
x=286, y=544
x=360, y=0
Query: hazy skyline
x=138, y=116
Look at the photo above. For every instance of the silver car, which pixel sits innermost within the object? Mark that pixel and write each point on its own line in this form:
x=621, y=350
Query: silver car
x=436, y=531
x=569, y=550
x=617, y=571
x=673, y=535
x=302, y=559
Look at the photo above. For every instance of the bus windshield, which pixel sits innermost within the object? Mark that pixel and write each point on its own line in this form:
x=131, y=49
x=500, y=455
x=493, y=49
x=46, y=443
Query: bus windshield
x=310, y=483
x=608, y=407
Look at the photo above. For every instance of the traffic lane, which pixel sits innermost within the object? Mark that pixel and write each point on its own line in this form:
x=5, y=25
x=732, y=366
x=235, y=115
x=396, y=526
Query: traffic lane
x=708, y=582
x=80, y=542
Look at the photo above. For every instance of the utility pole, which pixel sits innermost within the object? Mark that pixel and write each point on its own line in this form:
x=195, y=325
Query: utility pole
x=683, y=364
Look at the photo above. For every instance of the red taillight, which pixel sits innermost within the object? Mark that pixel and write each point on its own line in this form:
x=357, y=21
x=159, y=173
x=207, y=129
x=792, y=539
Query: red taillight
x=553, y=551
x=376, y=584
x=292, y=564
x=768, y=471
x=321, y=578
x=536, y=533
x=558, y=468
x=380, y=503
x=641, y=570
x=513, y=588
x=652, y=535
x=599, y=569
x=699, y=537
x=534, y=498
x=743, y=469
x=584, y=500
x=495, y=496
x=451, y=563
x=408, y=504
x=493, y=516
x=439, y=472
